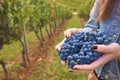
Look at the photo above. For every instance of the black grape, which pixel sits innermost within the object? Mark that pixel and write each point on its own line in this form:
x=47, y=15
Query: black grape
x=77, y=48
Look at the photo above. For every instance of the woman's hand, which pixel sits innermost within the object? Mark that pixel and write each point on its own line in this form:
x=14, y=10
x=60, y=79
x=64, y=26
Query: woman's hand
x=70, y=32
x=110, y=52
x=58, y=48
x=59, y=45
x=67, y=33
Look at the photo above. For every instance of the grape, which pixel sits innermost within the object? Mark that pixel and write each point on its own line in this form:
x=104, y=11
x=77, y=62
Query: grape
x=69, y=58
x=77, y=48
x=72, y=63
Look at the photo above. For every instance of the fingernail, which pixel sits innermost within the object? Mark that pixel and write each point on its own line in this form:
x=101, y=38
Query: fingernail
x=94, y=47
x=75, y=68
x=70, y=70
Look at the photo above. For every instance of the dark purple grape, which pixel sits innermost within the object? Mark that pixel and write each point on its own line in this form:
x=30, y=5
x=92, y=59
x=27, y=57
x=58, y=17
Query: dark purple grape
x=100, y=40
x=77, y=49
x=72, y=63
x=69, y=57
x=78, y=61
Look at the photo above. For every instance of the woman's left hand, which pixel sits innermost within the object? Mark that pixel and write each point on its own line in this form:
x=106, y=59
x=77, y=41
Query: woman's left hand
x=110, y=52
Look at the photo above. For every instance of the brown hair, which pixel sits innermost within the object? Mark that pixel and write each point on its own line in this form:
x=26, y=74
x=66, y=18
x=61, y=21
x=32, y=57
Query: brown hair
x=106, y=9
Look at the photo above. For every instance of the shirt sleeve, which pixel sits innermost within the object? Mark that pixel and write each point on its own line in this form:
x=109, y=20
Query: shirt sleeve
x=91, y=24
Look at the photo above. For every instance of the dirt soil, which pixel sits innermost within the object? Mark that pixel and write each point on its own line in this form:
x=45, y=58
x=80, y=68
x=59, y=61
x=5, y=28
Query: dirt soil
x=42, y=54
x=38, y=54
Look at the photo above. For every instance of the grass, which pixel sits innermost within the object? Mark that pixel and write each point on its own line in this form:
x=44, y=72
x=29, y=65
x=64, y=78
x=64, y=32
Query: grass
x=55, y=71
x=74, y=23
x=10, y=51
x=73, y=4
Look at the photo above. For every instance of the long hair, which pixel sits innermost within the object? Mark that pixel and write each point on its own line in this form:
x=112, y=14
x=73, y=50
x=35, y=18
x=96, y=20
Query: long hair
x=106, y=9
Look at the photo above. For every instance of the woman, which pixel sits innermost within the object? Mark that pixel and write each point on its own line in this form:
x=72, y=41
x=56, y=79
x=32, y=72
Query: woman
x=105, y=16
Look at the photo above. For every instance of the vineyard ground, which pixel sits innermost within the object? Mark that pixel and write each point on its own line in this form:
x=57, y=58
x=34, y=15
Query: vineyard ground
x=42, y=54
x=50, y=68
x=39, y=56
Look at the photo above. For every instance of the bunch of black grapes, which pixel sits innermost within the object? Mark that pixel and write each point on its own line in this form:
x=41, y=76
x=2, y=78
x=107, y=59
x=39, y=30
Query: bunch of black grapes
x=77, y=48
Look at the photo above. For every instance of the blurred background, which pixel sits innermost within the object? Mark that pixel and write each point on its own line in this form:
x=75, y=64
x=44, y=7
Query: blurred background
x=29, y=31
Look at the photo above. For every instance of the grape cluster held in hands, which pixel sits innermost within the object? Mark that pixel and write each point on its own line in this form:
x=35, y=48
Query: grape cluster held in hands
x=77, y=48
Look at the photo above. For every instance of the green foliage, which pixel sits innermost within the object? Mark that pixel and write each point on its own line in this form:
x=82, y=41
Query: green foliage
x=85, y=8
x=75, y=22
x=15, y=13
x=9, y=21
x=73, y=4
x=54, y=70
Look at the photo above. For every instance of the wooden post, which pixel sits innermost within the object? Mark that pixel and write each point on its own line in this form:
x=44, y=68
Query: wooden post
x=25, y=42
x=4, y=69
